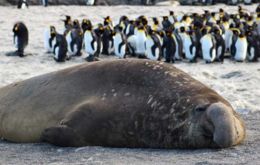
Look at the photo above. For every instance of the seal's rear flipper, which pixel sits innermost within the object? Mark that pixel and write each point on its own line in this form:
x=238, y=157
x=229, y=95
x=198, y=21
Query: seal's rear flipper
x=62, y=136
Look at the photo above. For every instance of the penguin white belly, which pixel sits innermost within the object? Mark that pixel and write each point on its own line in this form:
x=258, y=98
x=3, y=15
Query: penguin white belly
x=16, y=42
x=69, y=40
x=56, y=53
x=132, y=41
x=228, y=38
x=251, y=54
x=23, y=6
x=219, y=51
x=140, y=43
x=119, y=52
x=176, y=56
x=90, y=2
x=149, y=53
x=182, y=35
x=206, y=44
x=110, y=47
x=47, y=37
x=187, y=43
x=241, y=49
x=88, y=38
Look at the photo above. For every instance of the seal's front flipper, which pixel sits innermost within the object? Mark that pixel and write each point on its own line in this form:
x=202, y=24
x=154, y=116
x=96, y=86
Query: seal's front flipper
x=62, y=136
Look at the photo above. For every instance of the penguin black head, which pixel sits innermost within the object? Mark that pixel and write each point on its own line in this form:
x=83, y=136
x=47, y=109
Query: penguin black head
x=184, y=18
x=16, y=28
x=165, y=18
x=100, y=29
x=171, y=13
x=217, y=31
x=240, y=9
x=144, y=20
x=205, y=30
x=76, y=23
x=141, y=27
x=107, y=20
x=221, y=10
x=53, y=31
x=155, y=21
x=242, y=34
x=68, y=17
x=236, y=31
x=86, y=22
x=161, y=33
x=124, y=18
x=67, y=21
x=182, y=29
x=213, y=14
x=258, y=9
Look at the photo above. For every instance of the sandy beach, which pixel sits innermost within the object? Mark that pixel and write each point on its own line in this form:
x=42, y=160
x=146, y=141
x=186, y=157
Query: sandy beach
x=237, y=82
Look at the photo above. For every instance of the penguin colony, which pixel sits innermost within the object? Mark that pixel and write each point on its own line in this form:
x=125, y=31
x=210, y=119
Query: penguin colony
x=211, y=36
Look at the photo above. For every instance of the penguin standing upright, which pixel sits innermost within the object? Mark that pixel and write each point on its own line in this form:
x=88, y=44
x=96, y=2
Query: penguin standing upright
x=21, y=37
x=49, y=38
x=252, y=49
x=120, y=42
x=239, y=47
x=190, y=47
x=45, y=3
x=153, y=46
x=208, y=46
x=220, y=45
x=172, y=17
x=140, y=42
x=166, y=23
x=60, y=48
x=92, y=41
x=169, y=47
x=74, y=39
x=107, y=41
x=22, y=4
x=179, y=46
x=67, y=24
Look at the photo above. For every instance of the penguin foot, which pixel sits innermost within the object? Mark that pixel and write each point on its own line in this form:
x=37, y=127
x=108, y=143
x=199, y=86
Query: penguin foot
x=91, y=58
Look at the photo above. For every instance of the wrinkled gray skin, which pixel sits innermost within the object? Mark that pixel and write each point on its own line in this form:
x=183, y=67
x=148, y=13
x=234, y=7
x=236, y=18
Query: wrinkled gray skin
x=118, y=103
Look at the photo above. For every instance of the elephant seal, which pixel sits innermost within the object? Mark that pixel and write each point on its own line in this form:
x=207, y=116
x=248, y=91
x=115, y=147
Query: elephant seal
x=118, y=103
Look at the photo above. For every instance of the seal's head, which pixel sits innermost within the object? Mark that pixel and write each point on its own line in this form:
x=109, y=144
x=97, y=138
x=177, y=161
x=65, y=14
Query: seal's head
x=216, y=125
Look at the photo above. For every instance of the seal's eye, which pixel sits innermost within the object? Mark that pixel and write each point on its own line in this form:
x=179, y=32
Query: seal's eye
x=201, y=108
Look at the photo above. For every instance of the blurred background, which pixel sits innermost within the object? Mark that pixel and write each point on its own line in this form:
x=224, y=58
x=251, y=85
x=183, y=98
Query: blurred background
x=128, y=2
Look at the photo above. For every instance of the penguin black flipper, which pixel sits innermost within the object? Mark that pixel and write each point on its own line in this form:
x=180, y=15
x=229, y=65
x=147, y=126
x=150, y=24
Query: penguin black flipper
x=233, y=47
x=21, y=33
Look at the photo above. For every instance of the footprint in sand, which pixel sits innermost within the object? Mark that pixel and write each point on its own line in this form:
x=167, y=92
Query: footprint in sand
x=232, y=74
x=208, y=75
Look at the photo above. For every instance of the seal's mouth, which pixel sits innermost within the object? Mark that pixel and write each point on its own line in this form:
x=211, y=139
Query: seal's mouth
x=228, y=130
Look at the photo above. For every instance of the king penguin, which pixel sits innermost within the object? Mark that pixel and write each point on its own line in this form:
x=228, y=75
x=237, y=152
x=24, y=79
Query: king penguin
x=120, y=42
x=220, y=45
x=169, y=47
x=252, y=49
x=153, y=46
x=107, y=40
x=60, y=48
x=49, y=38
x=74, y=39
x=140, y=39
x=190, y=47
x=239, y=47
x=208, y=46
x=92, y=41
x=20, y=37
x=22, y=4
